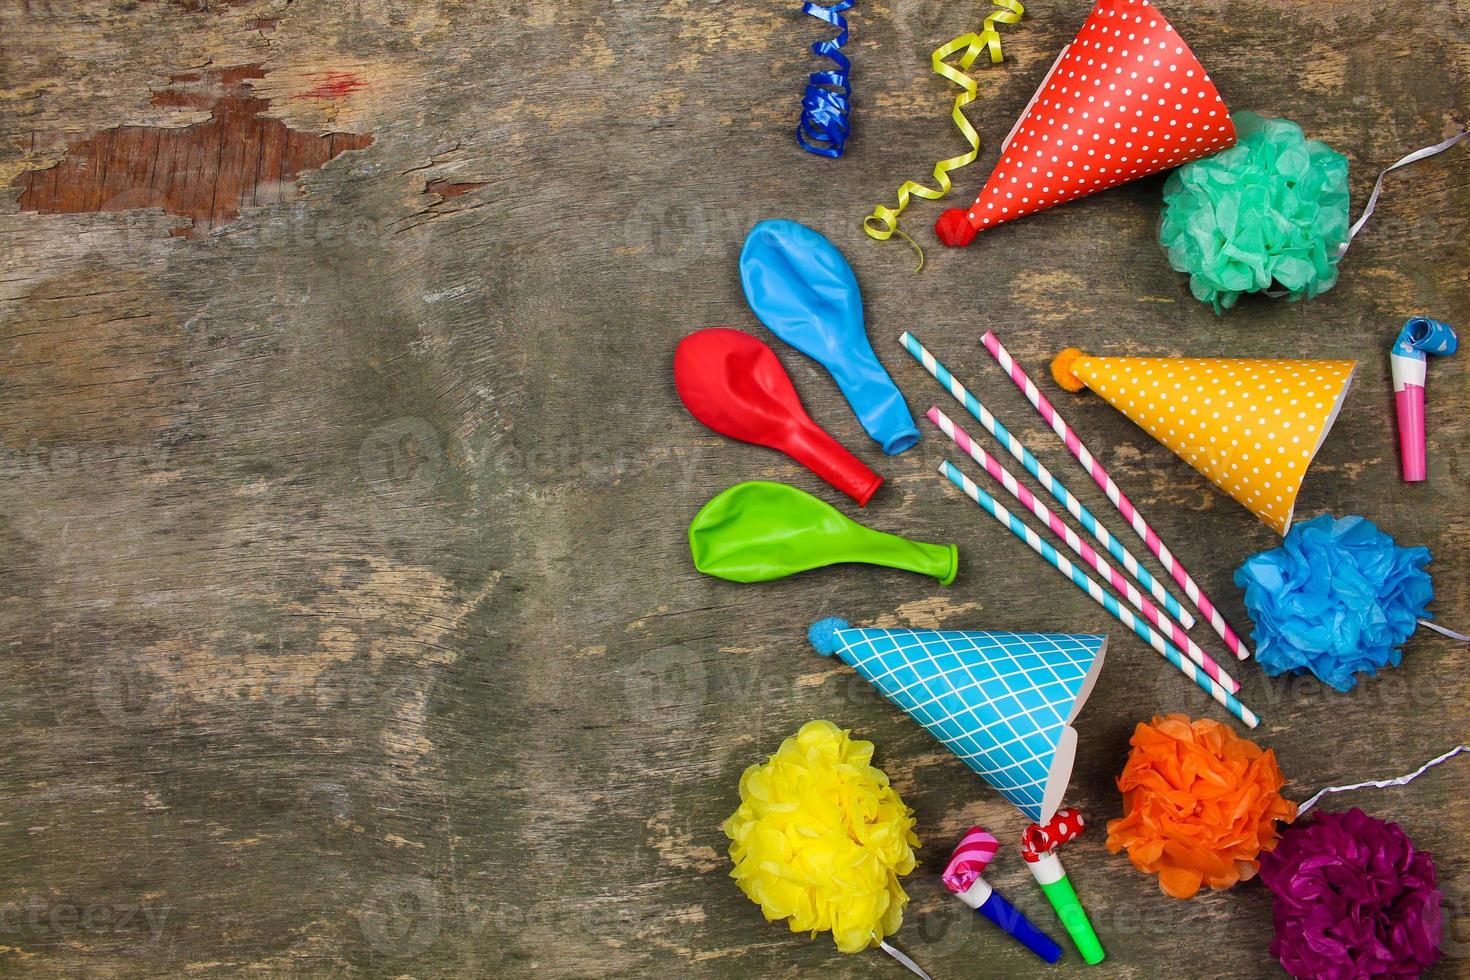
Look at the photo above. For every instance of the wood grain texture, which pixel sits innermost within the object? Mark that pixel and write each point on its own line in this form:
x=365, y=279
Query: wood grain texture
x=350, y=623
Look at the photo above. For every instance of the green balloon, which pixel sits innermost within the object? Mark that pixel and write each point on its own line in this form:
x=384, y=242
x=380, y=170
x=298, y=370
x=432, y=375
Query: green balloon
x=759, y=531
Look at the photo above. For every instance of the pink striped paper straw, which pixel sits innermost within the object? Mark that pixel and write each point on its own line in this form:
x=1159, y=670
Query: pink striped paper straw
x=1062, y=530
x=1099, y=594
x=1049, y=483
x=1120, y=500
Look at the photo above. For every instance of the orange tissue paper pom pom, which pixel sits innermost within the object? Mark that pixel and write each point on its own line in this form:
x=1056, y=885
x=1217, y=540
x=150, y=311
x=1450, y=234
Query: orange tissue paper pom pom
x=1200, y=804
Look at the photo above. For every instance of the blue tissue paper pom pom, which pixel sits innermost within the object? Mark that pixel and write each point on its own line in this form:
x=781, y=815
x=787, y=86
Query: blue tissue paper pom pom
x=1338, y=598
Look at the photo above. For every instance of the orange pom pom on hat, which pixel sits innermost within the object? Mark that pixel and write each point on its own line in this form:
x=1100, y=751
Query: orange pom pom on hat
x=1200, y=804
x=1126, y=99
x=1252, y=426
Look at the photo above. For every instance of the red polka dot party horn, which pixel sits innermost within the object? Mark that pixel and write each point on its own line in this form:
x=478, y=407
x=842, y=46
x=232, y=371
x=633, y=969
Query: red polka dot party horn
x=1039, y=847
x=1126, y=99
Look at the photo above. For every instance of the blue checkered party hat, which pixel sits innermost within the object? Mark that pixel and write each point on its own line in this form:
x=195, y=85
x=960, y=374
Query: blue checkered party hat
x=1002, y=702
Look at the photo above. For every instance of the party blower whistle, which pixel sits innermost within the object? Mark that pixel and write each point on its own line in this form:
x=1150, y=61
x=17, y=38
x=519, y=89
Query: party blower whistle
x=1408, y=360
x=963, y=877
x=1038, y=847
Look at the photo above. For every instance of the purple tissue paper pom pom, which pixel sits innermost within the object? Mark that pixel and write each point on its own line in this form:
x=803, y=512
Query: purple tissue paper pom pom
x=1338, y=598
x=1353, y=899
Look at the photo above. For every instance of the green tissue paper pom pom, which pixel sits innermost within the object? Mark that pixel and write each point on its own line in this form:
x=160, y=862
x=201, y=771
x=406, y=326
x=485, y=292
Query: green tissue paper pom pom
x=1271, y=212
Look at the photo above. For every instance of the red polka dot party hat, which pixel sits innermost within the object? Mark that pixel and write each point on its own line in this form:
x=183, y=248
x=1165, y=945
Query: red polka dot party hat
x=1126, y=99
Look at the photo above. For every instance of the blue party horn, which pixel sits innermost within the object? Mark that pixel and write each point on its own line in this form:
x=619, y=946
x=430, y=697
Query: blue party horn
x=963, y=877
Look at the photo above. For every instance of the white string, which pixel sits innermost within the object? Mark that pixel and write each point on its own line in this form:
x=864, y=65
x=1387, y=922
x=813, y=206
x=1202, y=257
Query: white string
x=1445, y=632
x=1414, y=157
x=898, y=955
x=1384, y=783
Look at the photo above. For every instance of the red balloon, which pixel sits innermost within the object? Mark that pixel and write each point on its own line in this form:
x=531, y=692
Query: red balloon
x=734, y=384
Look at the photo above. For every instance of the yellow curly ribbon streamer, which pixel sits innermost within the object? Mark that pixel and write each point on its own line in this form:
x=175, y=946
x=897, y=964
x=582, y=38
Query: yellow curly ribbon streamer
x=883, y=222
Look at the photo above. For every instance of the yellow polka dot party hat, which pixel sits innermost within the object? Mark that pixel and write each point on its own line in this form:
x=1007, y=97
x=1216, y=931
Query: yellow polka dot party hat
x=1251, y=425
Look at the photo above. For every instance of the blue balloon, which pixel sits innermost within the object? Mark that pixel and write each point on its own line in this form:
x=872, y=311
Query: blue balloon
x=804, y=291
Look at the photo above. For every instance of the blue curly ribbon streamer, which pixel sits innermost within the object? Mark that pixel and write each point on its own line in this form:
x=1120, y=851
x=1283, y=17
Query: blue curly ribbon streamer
x=825, y=108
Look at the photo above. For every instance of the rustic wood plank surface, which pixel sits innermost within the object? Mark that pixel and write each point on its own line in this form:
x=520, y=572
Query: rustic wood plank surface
x=350, y=624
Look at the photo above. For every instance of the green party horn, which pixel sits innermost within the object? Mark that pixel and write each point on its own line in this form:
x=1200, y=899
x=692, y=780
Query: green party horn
x=760, y=531
x=1038, y=847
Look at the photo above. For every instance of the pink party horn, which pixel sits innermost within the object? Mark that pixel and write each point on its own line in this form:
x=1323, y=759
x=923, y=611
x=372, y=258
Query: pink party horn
x=963, y=877
x=1408, y=361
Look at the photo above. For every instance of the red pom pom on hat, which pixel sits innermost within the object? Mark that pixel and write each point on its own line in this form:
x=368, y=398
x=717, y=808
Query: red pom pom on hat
x=954, y=228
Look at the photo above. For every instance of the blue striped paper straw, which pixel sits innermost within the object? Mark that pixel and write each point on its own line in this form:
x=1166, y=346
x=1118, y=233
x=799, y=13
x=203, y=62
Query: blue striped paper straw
x=1053, y=486
x=1061, y=529
x=1103, y=598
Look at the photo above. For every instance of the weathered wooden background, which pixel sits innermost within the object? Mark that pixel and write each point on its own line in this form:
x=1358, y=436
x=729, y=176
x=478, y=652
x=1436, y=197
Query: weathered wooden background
x=349, y=623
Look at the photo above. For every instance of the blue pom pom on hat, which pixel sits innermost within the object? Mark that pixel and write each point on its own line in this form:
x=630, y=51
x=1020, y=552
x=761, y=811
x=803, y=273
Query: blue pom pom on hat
x=823, y=634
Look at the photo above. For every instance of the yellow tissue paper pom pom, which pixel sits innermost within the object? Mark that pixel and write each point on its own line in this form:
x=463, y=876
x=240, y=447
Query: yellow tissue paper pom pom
x=821, y=839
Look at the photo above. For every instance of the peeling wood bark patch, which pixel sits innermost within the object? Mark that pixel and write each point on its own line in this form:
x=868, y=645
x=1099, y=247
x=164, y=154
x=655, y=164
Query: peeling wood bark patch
x=207, y=6
x=333, y=85
x=447, y=189
x=204, y=172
